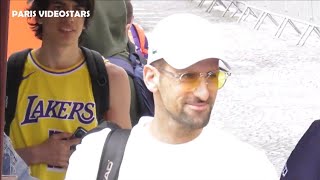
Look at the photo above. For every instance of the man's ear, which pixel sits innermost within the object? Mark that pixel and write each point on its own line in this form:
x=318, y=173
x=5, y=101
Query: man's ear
x=151, y=77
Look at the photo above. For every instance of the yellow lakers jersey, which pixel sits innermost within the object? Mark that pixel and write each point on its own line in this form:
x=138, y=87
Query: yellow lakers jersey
x=49, y=102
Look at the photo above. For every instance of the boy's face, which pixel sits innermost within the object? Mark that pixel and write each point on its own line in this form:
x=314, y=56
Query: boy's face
x=62, y=30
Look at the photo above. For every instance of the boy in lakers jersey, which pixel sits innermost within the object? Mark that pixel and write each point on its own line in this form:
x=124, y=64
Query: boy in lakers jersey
x=55, y=95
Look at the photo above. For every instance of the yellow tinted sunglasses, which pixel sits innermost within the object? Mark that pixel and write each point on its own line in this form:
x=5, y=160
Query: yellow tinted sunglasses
x=191, y=80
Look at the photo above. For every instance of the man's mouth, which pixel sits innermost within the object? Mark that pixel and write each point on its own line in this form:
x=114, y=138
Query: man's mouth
x=198, y=106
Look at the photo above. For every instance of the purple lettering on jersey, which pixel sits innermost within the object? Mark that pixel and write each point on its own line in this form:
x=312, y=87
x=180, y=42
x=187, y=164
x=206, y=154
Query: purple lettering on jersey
x=90, y=118
x=57, y=109
x=27, y=118
x=38, y=111
x=61, y=113
x=77, y=107
x=51, y=108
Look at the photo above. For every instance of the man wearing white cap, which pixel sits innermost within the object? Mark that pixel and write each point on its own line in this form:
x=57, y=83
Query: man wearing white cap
x=184, y=72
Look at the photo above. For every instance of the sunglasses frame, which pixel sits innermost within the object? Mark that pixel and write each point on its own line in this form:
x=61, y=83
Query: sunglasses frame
x=179, y=76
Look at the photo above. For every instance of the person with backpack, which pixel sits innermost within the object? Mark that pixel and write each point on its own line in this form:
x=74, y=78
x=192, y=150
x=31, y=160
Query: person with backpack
x=107, y=34
x=176, y=143
x=136, y=33
x=53, y=90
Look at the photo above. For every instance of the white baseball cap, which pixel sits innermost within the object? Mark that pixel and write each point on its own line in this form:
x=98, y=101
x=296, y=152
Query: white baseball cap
x=184, y=39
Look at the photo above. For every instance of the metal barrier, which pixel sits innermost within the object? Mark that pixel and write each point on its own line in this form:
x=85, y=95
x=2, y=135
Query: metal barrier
x=215, y=3
x=280, y=27
x=220, y=2
x=234, y=3
x=263, y=14
x=311, y=28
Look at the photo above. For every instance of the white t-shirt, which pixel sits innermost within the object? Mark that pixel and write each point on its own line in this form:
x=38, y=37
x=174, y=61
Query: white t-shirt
x=213, y=155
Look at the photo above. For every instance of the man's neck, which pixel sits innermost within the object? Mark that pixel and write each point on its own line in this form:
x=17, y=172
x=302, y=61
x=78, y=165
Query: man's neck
x=58, y=57
x=169, y=131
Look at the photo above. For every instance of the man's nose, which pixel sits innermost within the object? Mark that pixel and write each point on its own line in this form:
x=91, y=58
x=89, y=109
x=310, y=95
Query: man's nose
x=202, y=91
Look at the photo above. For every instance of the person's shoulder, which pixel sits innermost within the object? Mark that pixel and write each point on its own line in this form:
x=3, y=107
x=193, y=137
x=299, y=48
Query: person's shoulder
x=115, y=71
x=233, y=145
x=226, y=137
x=93, y=140
x=21, y=53
x=99, y=135
x=250, y=161
x=143, y=122
x=84, y=162
x=240, y=147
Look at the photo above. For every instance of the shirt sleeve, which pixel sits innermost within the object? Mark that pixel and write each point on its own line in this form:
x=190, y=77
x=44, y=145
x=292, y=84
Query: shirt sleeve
x=13, y=164
x=84, y=162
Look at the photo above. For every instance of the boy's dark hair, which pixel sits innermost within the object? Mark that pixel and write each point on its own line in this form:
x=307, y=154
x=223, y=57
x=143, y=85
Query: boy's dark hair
x=39, y=5
x=129, y=11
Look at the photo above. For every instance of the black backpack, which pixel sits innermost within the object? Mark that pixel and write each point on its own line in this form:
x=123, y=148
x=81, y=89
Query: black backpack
x=96, y=68
x=133, y=65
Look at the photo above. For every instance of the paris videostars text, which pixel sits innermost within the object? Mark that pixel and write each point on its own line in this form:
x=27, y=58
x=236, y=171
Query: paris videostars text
x=46, y=13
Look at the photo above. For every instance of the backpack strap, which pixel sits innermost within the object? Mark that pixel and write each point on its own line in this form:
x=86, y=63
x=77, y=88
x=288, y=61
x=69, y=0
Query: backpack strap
x=15, y=67
x=99, y=81
x=133, y=55
x=140, y=39
x=131, y=47
x=112, y=154
x=135, y=36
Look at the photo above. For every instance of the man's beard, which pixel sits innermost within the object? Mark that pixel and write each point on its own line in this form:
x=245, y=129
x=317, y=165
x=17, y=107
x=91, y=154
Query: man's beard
x=189, y=122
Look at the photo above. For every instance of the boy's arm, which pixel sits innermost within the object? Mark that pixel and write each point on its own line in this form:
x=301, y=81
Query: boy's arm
x=119, y=98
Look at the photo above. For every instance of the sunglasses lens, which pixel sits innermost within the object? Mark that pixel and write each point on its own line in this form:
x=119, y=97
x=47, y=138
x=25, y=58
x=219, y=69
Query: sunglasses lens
x=222, y=79
x=190, y=81
x=216, y=80
x=212, y=80
x=189, y=77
